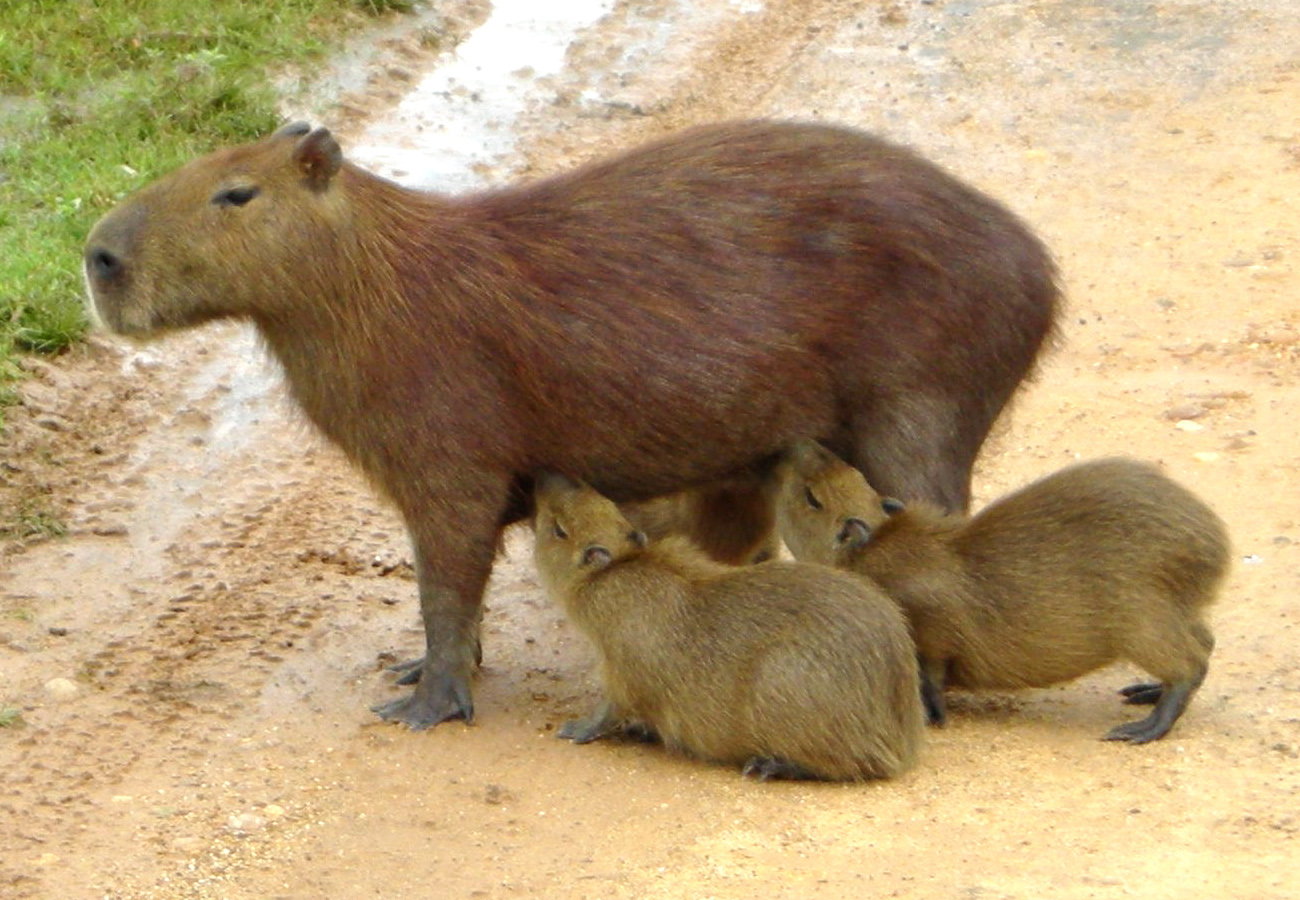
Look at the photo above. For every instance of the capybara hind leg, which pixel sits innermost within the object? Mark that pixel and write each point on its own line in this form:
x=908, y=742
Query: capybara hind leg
x=768, y=768
x=451, y=570
x=1173, y=701
x=1143, y=693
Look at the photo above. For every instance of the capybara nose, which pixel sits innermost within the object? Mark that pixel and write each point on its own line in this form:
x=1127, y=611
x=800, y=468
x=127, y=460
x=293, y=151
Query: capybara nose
x=102, y=264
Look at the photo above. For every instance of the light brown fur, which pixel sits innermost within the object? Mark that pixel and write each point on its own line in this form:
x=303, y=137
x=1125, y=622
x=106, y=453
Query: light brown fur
x=1102, y=561
x=788, y=669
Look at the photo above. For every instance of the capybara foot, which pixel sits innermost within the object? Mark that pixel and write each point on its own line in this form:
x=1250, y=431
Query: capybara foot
x=767, y=768
x=582, y=731
x=936, y=711
x=408, y=672
x=602, y=722
x=640, y=732
x=1172, y=702
x=1143, y=693
x=1139, y=732
x=438, y=697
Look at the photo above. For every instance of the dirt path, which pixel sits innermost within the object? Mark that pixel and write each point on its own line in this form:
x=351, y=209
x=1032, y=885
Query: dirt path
x=195, y=661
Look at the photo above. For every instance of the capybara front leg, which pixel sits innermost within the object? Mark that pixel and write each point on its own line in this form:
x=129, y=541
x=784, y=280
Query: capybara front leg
x=932, y=681
x=769, y=768
x=602, y=722
x=451, y=577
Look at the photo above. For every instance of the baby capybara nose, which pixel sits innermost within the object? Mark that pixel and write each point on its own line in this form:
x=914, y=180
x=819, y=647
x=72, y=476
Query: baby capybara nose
x=102, y=264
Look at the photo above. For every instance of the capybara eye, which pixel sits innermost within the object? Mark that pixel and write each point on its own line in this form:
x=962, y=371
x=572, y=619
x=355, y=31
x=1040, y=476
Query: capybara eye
x=558, y=530
x=811, y=498
x=236, y=196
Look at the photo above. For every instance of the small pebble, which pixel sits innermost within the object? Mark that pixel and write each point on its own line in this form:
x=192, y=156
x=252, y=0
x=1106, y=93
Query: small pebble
x=1188, y=425
x=1186, y=411
x=1205, y=456
x=61, y=688
x=245, y=823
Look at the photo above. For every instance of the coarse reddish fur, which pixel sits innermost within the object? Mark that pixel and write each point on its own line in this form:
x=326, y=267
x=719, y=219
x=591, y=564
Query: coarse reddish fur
x=651, y=322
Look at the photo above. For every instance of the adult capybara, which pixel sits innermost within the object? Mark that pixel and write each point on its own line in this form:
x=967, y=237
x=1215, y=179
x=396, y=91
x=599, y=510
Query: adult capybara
x=648, y=323
x=1104, y=560
x=787, y=669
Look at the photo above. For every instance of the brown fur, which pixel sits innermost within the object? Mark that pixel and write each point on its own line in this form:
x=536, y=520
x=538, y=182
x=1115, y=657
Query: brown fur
x=731, y=520
x=649, y=323
x=1101, y=561
x=786, y=668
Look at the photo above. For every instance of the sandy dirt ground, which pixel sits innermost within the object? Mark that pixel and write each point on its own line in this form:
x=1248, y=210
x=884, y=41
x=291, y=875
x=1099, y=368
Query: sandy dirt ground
x=193, y=664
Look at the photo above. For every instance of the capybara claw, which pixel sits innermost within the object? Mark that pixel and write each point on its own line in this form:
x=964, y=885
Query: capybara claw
x=435, y=700
x=1143, y=693
x=1139, y=732
x=582, y=731
x=408, y=672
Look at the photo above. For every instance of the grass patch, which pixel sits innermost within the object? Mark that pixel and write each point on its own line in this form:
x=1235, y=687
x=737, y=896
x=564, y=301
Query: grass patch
x=98, y=97
x=10, y=715
x=32, y=520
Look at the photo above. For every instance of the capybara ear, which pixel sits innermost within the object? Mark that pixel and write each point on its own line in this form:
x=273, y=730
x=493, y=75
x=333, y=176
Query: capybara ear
x=597, y=557
x=854, y=533
x=319, y=157
x=293, y=129
x=637, y=537
x=892, y=505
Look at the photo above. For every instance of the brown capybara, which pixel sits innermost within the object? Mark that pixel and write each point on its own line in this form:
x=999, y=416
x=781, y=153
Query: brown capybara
x=787, y=669
x=1102, y=561
x=649, y=323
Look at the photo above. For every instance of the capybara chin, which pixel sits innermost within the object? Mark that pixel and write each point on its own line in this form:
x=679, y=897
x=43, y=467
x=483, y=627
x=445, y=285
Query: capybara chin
x=1101, y=561
x=649, y=323
x=786, y=669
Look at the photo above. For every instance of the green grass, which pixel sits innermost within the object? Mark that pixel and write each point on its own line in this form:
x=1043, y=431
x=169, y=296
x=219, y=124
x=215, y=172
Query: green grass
x=32, y=519
x=10, y=715
x=98, y=97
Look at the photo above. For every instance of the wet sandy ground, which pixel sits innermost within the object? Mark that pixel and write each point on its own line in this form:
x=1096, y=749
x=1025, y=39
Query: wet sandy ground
x=194, y=664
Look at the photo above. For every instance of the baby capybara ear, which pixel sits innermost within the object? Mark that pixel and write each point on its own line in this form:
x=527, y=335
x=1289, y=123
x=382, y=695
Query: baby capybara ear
x=319, y=157
x=292, y=129
x=892, y=505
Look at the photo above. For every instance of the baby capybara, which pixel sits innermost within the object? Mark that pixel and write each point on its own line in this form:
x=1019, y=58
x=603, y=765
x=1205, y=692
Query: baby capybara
x=1102, y=561
x=787, y=669
x=650, y=323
